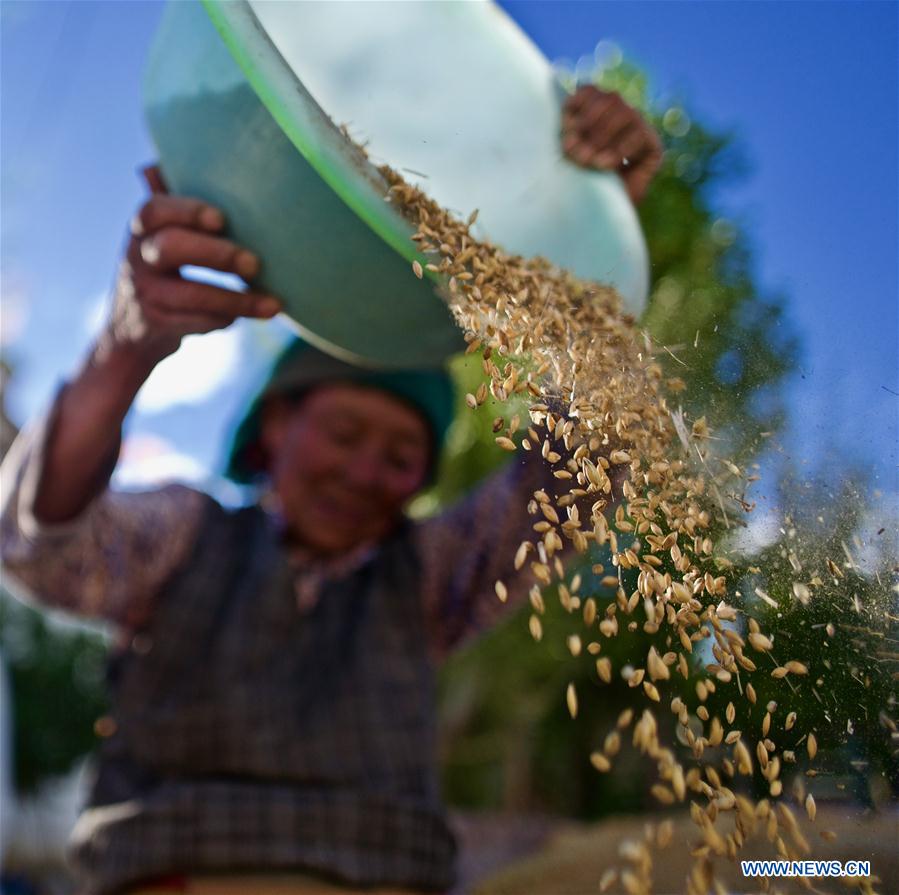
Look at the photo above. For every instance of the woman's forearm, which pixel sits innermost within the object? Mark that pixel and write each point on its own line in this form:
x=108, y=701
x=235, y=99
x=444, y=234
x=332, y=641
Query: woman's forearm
x=84, y=440
x=153, y=308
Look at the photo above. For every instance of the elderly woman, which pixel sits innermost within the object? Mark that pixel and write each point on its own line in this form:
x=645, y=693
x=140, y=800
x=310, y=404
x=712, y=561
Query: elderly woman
x=272, y=726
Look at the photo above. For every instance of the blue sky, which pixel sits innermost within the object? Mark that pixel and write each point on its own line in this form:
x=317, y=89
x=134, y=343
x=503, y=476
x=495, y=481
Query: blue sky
x=810, y=88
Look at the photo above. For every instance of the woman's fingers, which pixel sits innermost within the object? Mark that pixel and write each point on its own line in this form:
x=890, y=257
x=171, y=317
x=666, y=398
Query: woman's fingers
x=634, y=145
x=588, y=107
x=639, y=175
x=176, y=211
x=172, y=247
x=594, y=108
x=155, y=181
x=183, y=324
x=187, y=299
x=611, y=128
x=582, y=153
x=618, y=153
x=601, y=130
x=576, y=101
x=641, y=154
x=153, y=301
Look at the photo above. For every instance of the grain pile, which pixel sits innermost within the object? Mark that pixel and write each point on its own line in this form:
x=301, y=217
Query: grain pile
x=633, y=474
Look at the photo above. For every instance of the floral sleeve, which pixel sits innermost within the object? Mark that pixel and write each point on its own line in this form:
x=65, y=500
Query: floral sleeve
x=465, y=550
x=107, y=563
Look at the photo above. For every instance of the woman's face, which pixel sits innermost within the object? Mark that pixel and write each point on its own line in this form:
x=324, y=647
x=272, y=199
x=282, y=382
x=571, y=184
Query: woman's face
x=343, y=462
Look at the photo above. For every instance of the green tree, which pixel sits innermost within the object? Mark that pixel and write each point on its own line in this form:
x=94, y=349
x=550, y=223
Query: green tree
x=56, y=678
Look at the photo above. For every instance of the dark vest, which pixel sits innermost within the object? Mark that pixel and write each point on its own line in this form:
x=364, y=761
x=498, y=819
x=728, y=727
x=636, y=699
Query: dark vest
x=252, y=736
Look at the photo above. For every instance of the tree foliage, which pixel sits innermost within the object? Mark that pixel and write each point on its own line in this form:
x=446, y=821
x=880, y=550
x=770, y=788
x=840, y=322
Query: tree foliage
x=56, y=680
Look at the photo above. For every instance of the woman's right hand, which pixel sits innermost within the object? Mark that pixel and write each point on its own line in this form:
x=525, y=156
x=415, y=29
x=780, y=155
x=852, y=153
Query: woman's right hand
x=154, y=307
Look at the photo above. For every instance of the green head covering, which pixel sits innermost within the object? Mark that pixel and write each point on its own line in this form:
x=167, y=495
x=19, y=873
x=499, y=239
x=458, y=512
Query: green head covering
x=301, y=367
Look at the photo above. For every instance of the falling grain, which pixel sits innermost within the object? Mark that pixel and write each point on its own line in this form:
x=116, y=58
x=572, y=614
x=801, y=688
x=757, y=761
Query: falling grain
x=811, y=745
x=811, y=809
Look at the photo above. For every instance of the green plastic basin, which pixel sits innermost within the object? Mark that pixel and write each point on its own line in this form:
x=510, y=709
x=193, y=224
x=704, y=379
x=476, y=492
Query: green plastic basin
x=242, y=99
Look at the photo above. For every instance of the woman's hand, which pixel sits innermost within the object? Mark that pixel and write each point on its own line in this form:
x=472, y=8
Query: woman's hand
x=154, y=306
x=600, y=130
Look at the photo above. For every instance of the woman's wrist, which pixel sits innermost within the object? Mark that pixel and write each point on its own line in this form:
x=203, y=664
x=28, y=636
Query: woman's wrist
x=131, y=361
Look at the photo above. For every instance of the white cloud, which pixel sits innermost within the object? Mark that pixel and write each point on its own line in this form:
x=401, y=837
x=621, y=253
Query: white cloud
x=148, y=460
x=15, y=309
x=201, y=366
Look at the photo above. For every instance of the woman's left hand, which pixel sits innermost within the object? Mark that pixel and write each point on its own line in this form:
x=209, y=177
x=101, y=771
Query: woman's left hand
x=600, y=130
